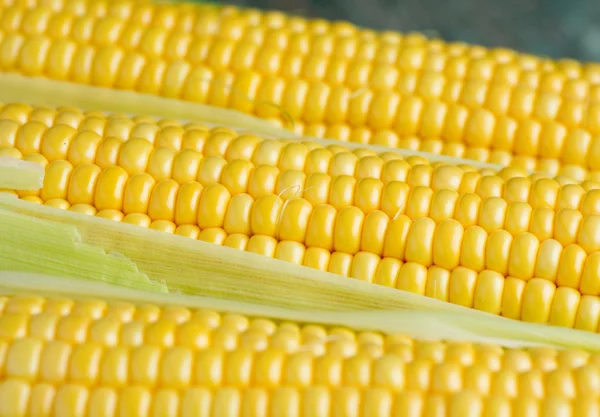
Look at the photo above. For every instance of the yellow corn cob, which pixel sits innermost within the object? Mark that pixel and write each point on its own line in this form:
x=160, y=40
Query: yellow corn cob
x=522, y=247
x=81, y=356
x=224, y=57
x=408, y=52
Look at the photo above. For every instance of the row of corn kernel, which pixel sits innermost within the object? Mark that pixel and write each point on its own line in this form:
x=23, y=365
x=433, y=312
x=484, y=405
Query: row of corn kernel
x=135, y=154
x=541, y=130
x=64, y=124
x=56, y=346
x=271, y=28
x=228, y=333
x=265, y=50
x=112, y=188
x=368, y=194
x=33, y=135
x=292, y=156
x=517, y=205
x=67, y=122
x=241, y=176
x=300, y=370
x=428, y=74
x=551, y=166
x=110, y=323
x=114, y=124
x=340, y=190
x=35, y=12
x=56, y=140
x=179, y=367
x=432, y=82
x=231, y=401
x=191, y=203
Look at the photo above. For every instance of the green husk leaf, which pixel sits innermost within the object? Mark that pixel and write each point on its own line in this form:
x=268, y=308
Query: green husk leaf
x=34, y=245
x=233, y=279
x=20, y=175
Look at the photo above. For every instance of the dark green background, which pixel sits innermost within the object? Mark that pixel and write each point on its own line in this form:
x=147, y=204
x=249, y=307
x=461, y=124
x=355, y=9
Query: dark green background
x=558, y=28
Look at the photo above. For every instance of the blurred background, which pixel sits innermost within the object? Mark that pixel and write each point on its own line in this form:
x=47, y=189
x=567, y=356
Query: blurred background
x=557, y=28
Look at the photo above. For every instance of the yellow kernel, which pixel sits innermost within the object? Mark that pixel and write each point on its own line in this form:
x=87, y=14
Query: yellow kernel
x=512, y=298
x=412, y=278
x=537, y=300
x=590, y=278
x=340, y=263
x=474, y=248
x=348, y=230
x=462, y=286
x=419, y=242
x=523, y=255
x=489, y=291
x=14, y=394
x=213, y=206
x=564, y=307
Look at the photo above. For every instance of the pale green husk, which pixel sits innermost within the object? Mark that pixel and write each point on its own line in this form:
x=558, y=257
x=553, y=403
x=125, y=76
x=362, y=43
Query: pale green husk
x=237, y=281
x=34, y=245
x=20, y=175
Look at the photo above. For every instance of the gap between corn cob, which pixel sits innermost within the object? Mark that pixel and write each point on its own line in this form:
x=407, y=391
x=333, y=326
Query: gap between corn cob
x=418, y=321
x=46, y=92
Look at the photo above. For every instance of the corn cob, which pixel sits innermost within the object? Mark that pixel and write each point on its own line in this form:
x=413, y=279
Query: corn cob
x=66, y=354
x=202, y=363
x=525, y=247
x=411, y=52
x=524, y=127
